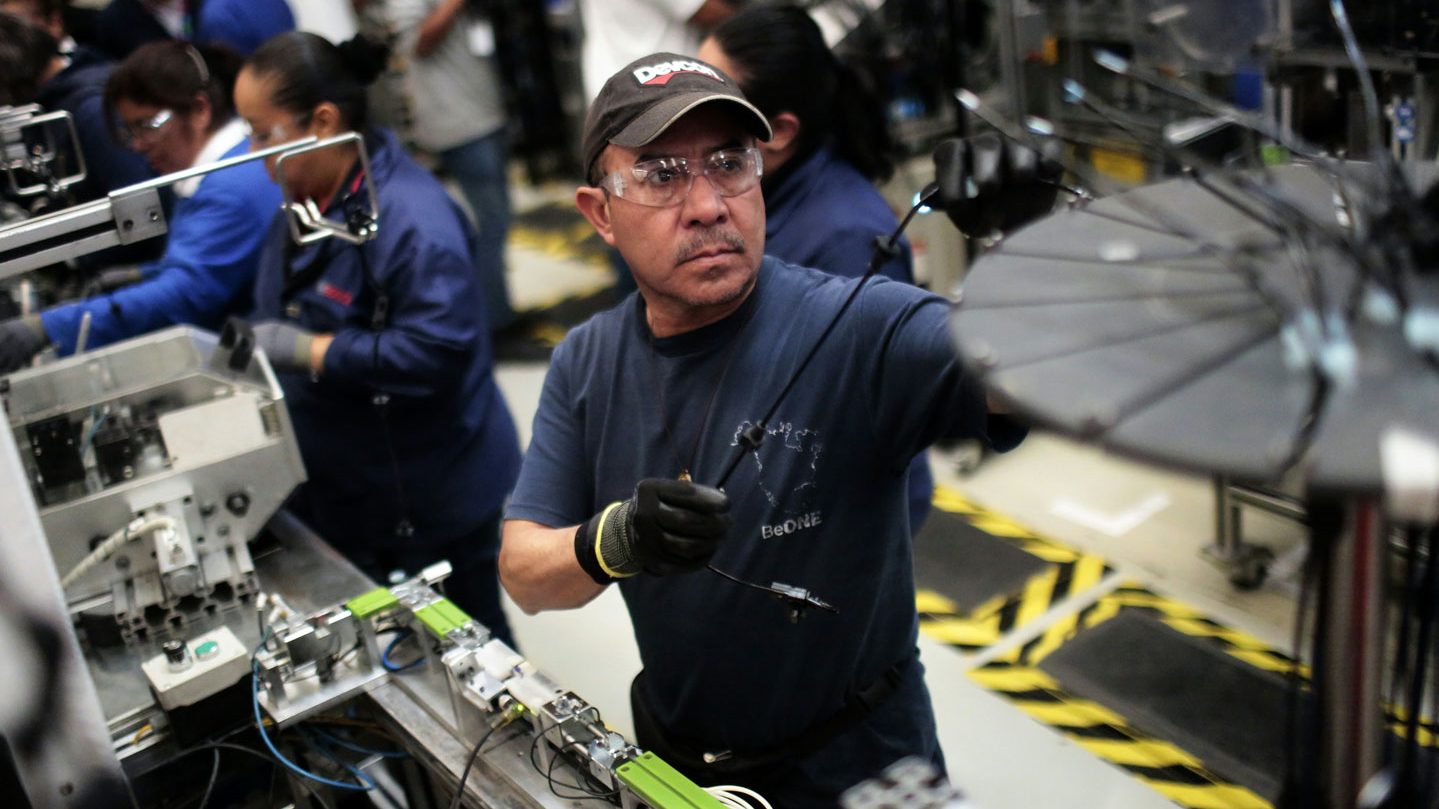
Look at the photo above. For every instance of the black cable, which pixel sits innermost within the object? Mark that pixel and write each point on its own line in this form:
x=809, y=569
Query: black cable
x=548, y=773
x=210, y=787
x=752, y=437
x=473, y=757
x=238, y=748
x=1429, y=591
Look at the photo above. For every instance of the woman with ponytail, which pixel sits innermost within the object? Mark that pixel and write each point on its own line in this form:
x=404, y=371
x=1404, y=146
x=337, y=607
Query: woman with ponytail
x=171, y=103
x=830, y=147
x=382, y=348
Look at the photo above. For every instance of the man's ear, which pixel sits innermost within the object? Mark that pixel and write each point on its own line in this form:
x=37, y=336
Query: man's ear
x=594, y=204
x=785, y=126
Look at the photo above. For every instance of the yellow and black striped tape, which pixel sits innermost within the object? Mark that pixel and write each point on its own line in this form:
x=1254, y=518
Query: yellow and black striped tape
x=1170, y=770
x=1068, y=571
x=1164, y=766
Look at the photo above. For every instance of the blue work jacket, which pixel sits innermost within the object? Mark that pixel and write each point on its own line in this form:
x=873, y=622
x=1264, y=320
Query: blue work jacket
x=456, y=453
x=822, y=213
x=242, y=25
x=206, y=273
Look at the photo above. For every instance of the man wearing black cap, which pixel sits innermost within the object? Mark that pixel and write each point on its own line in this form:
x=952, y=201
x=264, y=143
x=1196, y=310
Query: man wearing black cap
x=646, y=403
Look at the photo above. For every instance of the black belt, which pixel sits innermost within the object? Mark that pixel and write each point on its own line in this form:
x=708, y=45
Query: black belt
x=689, y=759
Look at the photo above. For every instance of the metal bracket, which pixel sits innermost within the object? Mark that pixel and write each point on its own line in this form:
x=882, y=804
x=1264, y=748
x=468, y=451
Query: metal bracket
x=39, y=157
x=307, y=223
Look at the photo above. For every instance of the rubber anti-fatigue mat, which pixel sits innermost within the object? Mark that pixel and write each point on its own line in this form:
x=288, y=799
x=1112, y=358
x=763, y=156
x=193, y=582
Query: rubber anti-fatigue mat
x=1185, y=690
x=981, y=575
x=966, y=565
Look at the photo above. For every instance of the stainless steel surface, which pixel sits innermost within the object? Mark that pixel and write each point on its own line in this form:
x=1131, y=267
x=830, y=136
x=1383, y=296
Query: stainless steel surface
x=311, y=575
x=216, y=454
x=502, y=777
x=72, y=232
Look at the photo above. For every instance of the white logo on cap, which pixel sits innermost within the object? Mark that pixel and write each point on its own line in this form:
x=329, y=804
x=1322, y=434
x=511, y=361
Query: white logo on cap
x=659, y=74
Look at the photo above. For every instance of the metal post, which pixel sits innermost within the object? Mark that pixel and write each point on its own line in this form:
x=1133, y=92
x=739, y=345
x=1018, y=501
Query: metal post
x=1349, y=668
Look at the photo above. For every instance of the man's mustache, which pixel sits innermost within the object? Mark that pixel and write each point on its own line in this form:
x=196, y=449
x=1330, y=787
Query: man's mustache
x=702, y=241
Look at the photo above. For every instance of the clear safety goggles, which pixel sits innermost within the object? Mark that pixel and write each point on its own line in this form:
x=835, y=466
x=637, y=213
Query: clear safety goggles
x=145, y=129
x=667, y=181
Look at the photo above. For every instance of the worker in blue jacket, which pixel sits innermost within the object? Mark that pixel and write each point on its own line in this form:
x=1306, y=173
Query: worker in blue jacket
x=241, y=25
x=382, y=348
x=173, y=106
x=829, y=148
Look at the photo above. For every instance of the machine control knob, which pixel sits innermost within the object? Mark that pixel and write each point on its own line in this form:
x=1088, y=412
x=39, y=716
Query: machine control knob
x=177, y=654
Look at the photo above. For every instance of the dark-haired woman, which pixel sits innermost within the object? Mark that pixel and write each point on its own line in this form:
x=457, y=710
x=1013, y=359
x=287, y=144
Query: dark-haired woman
x=173, y=106
x=382, y=349
x=830, y=147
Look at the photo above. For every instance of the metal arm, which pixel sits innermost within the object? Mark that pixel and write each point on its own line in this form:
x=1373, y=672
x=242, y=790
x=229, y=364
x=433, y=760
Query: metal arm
x=127, y=215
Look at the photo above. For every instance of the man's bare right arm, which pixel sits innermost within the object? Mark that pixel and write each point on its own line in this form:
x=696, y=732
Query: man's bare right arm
x=539, y=570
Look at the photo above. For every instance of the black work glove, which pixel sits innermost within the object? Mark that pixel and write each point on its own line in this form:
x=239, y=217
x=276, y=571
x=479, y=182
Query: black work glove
x=20, y=340
x=990, y=184
x=667, y=527
x=287, y=345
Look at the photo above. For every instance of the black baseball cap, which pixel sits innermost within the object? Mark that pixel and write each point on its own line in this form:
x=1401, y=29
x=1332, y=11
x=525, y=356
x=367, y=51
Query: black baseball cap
x=648, y=95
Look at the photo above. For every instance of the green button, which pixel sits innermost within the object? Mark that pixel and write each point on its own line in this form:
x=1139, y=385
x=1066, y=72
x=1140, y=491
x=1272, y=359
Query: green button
x=207, y=649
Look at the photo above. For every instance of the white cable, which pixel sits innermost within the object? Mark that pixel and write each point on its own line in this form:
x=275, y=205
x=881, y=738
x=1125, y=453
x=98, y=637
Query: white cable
x=138, y=527
x=731, y=795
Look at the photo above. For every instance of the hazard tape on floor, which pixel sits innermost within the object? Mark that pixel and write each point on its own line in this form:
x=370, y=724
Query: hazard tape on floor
x=1170, y=770
x=1164, y=766
x=1068, y=571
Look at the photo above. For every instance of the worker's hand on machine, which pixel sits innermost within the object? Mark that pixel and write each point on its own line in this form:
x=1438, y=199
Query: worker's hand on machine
x=288, y=346
x=667, y=527
x=20, y=340
x=989, y=184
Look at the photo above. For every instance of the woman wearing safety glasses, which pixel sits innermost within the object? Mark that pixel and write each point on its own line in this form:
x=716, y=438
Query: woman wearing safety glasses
x=172, y=105
x=382, y=347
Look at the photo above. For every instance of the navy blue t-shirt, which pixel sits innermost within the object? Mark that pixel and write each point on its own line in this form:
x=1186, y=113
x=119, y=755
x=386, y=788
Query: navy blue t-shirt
x=821, y=505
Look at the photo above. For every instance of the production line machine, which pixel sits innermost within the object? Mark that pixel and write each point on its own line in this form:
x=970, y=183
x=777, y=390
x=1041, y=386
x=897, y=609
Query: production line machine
x=145, y=471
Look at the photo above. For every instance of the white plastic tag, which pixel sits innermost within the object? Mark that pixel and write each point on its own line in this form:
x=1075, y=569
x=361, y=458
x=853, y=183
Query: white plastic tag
x=481, y=38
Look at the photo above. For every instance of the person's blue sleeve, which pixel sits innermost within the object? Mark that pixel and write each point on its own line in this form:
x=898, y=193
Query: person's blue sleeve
x=243, y=25
x=436, y=323
x=554, y=486
x=918, y=392
x=209, y=263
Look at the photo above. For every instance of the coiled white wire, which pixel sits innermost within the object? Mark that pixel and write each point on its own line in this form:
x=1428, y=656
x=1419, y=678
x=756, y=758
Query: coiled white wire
x=736, y=797
x=137, y=528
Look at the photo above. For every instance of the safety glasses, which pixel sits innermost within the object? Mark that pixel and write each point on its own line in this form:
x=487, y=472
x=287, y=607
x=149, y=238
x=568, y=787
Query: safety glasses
x=145, y=129
x=666, y=181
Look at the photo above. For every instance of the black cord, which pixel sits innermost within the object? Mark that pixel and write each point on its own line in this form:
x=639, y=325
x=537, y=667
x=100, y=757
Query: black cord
x=473, y=757
x=548, y=773
x=210, y=787
x=883, y=250
x=217, y=746
x=1409, y=771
